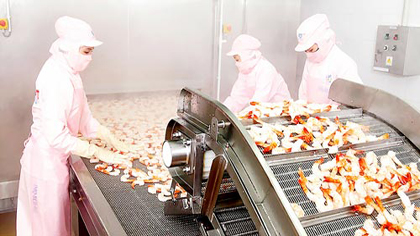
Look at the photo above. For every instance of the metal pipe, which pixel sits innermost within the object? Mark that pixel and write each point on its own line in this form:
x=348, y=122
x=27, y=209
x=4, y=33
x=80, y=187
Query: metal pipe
x=245, y=18
x=219, y=60
x=405, y=13
x=9, y=32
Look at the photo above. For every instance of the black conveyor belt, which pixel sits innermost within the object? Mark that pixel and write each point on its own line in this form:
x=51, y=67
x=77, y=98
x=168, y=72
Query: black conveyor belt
x=139, y=212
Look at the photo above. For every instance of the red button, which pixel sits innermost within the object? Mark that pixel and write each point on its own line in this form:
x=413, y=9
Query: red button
x=2, y=23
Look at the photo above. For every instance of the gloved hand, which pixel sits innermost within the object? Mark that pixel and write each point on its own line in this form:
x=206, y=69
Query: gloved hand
x=106, y=135
x=84, y=149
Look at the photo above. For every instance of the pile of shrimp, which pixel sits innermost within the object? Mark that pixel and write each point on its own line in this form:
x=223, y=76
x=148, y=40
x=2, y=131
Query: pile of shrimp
x=393, y=222
x=314, y=133
x=139, y=121
x=347, y=180
x=291, y=108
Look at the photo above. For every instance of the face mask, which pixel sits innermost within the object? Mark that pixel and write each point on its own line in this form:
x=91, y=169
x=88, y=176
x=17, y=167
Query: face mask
x=77, y=61
x=245, y=67
x=325, y=44
x=315, y=57
x=248, y=62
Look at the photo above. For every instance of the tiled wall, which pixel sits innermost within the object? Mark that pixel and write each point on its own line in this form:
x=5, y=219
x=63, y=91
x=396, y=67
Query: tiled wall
x=355, y=23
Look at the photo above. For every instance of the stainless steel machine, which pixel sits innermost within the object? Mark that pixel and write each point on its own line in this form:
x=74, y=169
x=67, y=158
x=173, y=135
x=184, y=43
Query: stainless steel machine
x=246, y=192
x=233, y=188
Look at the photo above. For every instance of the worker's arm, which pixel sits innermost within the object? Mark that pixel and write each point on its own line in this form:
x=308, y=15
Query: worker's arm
x=88, y=124
x=303, y=86
x=237, y=99
x=56, y=99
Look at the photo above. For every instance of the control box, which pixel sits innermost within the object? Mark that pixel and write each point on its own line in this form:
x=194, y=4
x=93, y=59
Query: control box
x=397, y=50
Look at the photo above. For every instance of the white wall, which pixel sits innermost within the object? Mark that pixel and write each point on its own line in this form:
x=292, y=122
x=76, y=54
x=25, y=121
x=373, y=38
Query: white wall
x=355, y=23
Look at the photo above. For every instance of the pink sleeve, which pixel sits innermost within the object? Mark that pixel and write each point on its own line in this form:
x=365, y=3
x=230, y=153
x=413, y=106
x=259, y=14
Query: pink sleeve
x=56, y=99
x=237, y=99
x=303, y=87
x=88, y=124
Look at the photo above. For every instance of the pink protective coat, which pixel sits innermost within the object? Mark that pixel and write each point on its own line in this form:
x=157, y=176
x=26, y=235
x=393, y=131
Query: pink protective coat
x=318, y=77
x=60, y=111
x=258, y=80
x=325, y=65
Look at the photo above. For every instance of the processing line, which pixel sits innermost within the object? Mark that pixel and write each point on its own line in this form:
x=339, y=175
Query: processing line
x=233, y=188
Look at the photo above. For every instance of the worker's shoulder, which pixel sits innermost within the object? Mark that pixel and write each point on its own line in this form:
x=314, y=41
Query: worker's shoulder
x=264, y=66
x=55, y=75
x=339, y=57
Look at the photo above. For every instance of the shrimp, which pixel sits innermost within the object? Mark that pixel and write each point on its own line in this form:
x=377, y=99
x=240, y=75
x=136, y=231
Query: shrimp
x=125, y=179
x=269, y=148
x=296, y=146
x=298, y=120
x=360, y=187
x=363, y=166
x=115, y=172
x=315, y=168
x=371, y=162
x=303, y=183
x=298, y=210
x=102, y=168
x=306, y=136
x=336, y=198
x=139, y=181
x=383, y=215
x=164, y=197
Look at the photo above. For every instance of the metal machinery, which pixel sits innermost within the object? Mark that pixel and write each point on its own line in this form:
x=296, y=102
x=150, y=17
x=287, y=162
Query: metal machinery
x=233, y=188
x=246, y=192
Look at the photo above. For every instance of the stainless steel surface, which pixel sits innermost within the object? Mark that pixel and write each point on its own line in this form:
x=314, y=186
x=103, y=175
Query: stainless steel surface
x=268, y=184
x=235, y=221
x=9, y=189
x=8, y=204
x=255, y=184
x=123, y=210
x=397, y=50
x=384, y=105
x=175, y=153
x=8, y=195
x=97, y=214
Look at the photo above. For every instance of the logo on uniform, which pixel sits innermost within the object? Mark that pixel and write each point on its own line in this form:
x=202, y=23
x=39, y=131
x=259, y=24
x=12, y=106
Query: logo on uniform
x=36, y=96
x=329, y=78
x=300, y=35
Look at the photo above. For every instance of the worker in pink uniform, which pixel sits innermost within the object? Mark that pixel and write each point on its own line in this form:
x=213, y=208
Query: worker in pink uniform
x=325, y=62
x=60, y=111
x=258, y=80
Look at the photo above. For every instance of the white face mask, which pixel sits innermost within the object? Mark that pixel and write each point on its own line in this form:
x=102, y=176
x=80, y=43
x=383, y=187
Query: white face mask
x=316, y=57
x=325, y=45
x=77, y=61
x=249, y=61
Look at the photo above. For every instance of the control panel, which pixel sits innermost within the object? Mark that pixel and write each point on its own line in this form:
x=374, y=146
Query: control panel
x=397, y=50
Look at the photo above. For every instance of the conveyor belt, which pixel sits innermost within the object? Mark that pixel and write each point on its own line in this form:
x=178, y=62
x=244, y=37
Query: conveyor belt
x=139, y=212
x=236, y=221
x=348, y=225
x=287, y=176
